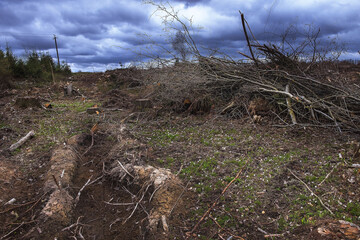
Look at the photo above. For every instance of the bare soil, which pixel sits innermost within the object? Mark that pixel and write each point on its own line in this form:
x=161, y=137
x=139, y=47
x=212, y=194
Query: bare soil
x=205, y=151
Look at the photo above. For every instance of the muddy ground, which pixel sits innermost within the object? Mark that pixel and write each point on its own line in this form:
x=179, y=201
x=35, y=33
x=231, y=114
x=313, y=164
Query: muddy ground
x=294, y=180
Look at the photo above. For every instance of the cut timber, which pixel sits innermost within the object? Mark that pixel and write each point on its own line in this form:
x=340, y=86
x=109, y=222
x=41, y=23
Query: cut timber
x=141, y=104
x=59, y=207
x=22, y=140
x=63, y=164
x=26, y=102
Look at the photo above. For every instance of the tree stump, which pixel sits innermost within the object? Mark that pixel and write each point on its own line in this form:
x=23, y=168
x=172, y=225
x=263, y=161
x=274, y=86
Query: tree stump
x=68, y=89
x=93, y=110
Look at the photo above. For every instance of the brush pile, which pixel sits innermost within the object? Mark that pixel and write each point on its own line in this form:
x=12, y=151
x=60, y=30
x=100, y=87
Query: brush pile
x=292, y=91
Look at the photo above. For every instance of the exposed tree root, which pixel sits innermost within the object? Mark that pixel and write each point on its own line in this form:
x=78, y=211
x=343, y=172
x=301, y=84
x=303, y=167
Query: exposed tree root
x=166, y=189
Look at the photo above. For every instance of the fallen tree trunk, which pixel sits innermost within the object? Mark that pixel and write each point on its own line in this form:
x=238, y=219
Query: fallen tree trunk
x=59, y=207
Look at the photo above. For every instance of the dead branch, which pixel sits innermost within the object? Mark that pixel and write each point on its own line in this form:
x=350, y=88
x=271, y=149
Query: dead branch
x=164, y=223
x=119, y=204
x=58, y=184
x=274, y=235
x=132, y=213
x=22, y=140
x=177, y=200
x=328, y=175
x=73, y=225
x=77, y=199
x=288, y=103
x=125, y=169
x=91, y=145
x=80, y=234
x=247, y=38
x=355, y=165
x=312, y=193
x=223, y=229
x=9, y=233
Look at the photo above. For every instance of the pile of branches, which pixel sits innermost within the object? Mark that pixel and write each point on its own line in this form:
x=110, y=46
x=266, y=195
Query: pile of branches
x=281, y=77
x=281, y=80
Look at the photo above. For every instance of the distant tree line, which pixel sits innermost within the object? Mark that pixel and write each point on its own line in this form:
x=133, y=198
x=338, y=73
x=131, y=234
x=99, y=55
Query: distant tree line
x=36, y=65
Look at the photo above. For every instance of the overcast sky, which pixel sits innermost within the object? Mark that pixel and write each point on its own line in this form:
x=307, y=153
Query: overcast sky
x=96, y=35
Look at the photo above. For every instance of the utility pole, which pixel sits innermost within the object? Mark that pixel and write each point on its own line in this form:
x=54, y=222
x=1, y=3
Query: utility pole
x=57, y=52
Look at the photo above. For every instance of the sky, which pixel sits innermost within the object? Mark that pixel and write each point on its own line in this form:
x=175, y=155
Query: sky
x=95, y=35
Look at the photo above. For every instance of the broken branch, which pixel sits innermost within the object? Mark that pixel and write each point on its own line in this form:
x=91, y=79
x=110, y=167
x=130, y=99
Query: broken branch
x=22, y=140
x=308, y=188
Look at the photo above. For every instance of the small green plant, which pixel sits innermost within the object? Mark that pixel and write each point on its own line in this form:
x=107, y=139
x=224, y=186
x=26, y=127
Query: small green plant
x=354, y=208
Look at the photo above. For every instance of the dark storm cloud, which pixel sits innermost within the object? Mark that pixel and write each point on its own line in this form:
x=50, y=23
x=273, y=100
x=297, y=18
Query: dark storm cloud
x=8, y=18
x=34, y=42
x=94, y=33
x=117, y=14
x=90, y=31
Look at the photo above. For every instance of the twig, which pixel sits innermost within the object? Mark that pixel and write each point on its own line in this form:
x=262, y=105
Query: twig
x=92, y=144
x=263, y=231
x=97, y=179
x=134, y=196
x=308, y=188
x=77, y=199
x=181, y=167
x=119, y=204
x=274, y=235
x=132, y=213
x=80, y=234
x=125, y=169
x=215, y=202
x=288, y=103
x=152, y=195
x=164, y=223
x=56, y=182
x=73, y=225
x=355, y=165
x=22, y=140
x=328, y=175
x=223, y=229
x=17, y=206
x=251, y=119
x=177, y=200
x=35, y=203
x=247, y=38
x=6, y=235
